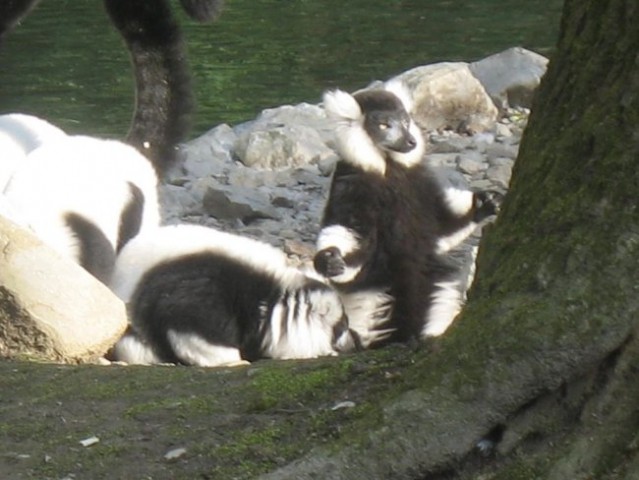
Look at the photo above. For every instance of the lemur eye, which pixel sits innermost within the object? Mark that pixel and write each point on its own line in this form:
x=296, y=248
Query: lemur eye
x=384, y=126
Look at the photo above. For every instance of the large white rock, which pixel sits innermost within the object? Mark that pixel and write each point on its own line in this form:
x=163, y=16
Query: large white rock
x=447, y=95
x=50, y=308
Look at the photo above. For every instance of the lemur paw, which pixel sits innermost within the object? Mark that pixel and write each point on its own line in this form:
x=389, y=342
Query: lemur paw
x=487, y=203
x=329, y=262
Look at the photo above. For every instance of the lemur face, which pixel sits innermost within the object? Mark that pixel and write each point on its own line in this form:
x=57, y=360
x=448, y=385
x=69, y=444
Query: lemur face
x=390, y=130
x=386, y=121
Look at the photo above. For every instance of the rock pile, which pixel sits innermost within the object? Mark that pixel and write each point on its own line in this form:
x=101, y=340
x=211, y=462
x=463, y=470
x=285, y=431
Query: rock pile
x=269, y=179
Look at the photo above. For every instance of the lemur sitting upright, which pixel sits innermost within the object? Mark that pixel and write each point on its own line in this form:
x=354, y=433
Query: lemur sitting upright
x=388, y=221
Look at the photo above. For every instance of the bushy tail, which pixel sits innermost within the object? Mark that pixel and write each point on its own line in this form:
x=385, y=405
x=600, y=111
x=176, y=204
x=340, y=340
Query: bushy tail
x=163, y=100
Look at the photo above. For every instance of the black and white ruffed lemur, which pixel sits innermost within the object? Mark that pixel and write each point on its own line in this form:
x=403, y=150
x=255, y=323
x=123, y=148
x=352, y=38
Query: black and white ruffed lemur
x=199, y=296
x=85, y=196
x=388, y=221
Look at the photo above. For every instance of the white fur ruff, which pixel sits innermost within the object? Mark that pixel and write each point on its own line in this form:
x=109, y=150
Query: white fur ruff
x=353, y=143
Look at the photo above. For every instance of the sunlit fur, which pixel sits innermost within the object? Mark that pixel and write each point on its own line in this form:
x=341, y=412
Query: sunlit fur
x=388, y=220
x=105, y=184
x=353, y=142
x=199, y=296
x=20, y=134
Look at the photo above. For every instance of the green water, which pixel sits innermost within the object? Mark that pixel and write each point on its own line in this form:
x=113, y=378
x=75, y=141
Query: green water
x=67, y=64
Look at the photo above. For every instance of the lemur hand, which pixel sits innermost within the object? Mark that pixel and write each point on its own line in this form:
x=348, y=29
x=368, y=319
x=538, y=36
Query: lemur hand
x=329, y=262
x=486, y=203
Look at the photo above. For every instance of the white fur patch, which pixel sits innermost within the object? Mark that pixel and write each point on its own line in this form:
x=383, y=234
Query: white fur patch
x=192, y=349
x=445, y=244
x=301, y=326
x=401, y=91
x=343, y=238
x=446, y=305
x=341, y=105
x=132, y=350
x=86, y=176
x=367, y=311
x=153, y=247
x=353, y=143
x=346, y=241
x=19, y=135
x=472, y=267
x=458, y=201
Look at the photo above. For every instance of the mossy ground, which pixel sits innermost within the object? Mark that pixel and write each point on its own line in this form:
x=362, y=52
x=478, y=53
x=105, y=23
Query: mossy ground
x=233, y=422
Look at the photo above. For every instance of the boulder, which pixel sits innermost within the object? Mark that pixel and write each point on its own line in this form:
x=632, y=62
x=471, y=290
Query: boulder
x=285, y=137
x=51, y=309
x=511, y=77
x=447, y=95
x=206, y=155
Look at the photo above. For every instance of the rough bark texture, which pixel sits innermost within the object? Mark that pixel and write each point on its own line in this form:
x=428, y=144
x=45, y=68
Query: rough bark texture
x=541, y=369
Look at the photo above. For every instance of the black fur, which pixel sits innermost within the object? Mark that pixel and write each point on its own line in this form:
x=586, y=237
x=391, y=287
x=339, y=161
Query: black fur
x=398, y=216
x=96, y=252
x=216, y=298
x=164, y=100
x=131, y=217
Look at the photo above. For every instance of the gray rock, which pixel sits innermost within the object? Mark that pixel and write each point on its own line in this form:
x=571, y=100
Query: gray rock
x=206, y=155
x=449, y=143
x=495, y=150
x=442, y=159
x=244, y=204
x=281, y=147
x=50, y=307
x=447, y=95
x=511, y=77
x=499, y=175
x=471, y=163
x=287, y=136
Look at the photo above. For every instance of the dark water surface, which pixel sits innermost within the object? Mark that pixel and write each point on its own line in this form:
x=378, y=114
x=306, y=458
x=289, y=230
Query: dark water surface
x=67, y=64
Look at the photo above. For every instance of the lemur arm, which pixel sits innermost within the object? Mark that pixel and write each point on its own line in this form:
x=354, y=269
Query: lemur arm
x=460, y=211
x=348, y=236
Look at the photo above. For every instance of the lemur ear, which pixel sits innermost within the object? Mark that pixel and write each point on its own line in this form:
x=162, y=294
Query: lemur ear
x=341, y=105
x=401, y=91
